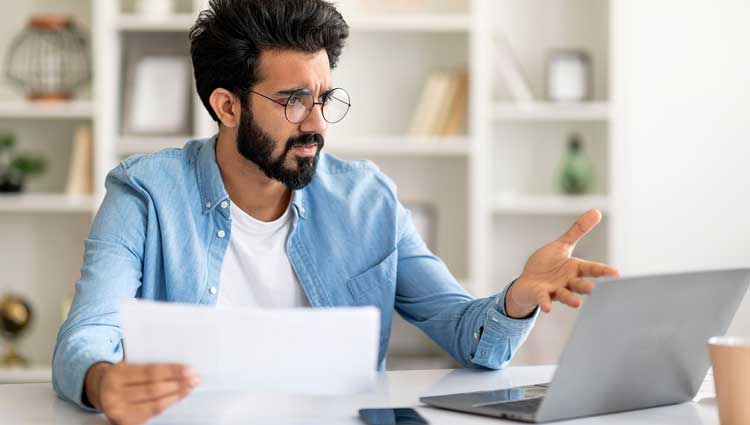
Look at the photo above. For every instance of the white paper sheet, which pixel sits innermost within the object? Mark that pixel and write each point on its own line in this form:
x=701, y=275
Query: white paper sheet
x=295, y=351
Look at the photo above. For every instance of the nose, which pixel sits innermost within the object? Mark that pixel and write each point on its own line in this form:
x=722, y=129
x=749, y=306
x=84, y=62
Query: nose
x=315, y=122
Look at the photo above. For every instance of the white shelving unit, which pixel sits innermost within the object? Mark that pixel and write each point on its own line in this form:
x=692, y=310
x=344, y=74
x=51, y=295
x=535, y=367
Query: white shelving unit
x=383, y=23
x=134, y=23
x=411, y=23
x=550, y=112
x=23, y=109
x=43, y=229
x=131, y=145
x=521, y=144
x=46, y=203
x=454, y=146
x=549, y=204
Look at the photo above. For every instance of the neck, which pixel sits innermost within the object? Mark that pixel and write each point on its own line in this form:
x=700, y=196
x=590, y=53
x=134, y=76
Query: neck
x=248, y=187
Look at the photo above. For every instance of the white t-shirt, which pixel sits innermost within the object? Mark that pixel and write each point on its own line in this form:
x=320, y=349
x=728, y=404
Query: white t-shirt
x=256, y=271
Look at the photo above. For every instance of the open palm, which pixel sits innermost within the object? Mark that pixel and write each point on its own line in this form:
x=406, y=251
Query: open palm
x=553, y=274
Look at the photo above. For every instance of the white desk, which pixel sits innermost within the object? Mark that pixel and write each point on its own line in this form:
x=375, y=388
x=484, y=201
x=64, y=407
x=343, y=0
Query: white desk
x=37, y=404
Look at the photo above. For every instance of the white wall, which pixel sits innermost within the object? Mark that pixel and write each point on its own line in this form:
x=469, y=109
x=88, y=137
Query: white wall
x=681, y=74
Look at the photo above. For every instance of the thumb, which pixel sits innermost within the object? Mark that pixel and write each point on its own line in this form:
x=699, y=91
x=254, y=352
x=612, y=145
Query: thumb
x=581, y=227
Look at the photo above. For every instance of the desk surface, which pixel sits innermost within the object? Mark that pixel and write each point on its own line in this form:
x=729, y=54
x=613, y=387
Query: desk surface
x=37, y=404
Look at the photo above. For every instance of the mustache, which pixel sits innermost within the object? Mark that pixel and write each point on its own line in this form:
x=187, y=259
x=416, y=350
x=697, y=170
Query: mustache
x=305, y=139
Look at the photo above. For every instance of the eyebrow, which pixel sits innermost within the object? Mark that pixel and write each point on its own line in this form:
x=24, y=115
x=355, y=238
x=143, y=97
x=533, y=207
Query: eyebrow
x=289, y=92
x=292, y=90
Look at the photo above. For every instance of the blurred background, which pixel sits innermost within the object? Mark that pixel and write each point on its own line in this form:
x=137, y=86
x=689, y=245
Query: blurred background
x=500, y=121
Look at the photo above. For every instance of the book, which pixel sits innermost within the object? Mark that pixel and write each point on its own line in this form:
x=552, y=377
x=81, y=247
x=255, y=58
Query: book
x=420, y=110
x=445, y=104
x=509, y=68
x=442, y=106
x=455, y=121
x=429, y=104
x=80, y=172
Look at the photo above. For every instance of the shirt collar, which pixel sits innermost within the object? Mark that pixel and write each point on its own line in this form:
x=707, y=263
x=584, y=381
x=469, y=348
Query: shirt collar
x=298, y=200
x=211, y=185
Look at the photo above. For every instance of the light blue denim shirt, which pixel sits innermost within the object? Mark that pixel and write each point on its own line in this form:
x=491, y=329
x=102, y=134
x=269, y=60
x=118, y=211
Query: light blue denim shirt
x=164, y=225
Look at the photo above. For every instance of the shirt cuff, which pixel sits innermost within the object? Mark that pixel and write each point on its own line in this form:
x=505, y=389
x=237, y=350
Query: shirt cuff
x=501, y=335
x=72, y=362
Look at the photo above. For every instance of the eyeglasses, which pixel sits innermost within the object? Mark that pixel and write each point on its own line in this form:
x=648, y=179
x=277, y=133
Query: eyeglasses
x=300, y=103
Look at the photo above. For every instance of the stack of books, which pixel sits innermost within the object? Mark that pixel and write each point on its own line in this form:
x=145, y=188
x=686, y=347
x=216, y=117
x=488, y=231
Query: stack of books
x=442, y=106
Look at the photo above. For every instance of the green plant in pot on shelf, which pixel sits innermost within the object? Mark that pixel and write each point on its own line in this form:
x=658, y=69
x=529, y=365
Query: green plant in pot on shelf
x=15, y=168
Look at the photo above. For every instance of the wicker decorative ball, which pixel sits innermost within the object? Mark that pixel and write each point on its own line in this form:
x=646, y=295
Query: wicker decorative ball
x=49, y=59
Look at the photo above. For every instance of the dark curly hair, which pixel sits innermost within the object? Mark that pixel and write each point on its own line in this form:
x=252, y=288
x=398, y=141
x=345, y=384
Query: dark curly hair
x=228, y=38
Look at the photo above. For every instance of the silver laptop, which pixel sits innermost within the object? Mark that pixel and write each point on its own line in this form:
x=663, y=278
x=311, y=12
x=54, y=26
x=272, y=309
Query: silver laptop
x=638, y=342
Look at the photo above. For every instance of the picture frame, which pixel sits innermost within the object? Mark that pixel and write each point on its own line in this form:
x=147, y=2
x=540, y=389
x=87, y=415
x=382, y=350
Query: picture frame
x=157, y=96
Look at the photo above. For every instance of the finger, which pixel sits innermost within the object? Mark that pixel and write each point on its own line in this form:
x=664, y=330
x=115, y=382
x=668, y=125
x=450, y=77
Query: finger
x=149, y=409
x=594, y=269
x=543, y=299
x=581, y=286
x=581, y=227
x=566, y=297
x=139, y=393
x=157, y=372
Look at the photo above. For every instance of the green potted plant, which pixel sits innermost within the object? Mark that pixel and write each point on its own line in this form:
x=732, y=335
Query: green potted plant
x=15, y=168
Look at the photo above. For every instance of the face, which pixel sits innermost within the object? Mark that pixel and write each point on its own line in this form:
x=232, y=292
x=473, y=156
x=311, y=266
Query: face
x=284, y=151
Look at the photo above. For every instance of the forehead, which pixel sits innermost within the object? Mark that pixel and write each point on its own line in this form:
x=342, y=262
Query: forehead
x=291, y=68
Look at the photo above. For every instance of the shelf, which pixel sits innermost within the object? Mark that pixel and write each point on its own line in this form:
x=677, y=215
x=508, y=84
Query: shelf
x=410, y=23
x=46, y=202
x=24, y=109
x=137, y=23
x=131, y=145
x=373, y=145
x=376, y=23
x=402, y=146
x=549, y=204
x=546, y=111
x=25, y=376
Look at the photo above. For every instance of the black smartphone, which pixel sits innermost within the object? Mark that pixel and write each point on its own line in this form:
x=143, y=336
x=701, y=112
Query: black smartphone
x=397, y=416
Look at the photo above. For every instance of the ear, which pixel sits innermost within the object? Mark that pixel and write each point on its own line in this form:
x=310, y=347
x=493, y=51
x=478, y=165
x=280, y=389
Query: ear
x=226, y=106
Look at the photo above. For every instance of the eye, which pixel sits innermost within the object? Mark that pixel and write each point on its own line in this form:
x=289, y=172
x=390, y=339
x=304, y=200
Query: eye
x=328, y=97
x=293, y=100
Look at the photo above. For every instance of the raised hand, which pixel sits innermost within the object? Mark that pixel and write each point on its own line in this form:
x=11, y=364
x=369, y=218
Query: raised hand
x=553, y=274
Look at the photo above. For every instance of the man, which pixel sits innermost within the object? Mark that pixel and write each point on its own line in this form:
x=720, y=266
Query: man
x=258, y=215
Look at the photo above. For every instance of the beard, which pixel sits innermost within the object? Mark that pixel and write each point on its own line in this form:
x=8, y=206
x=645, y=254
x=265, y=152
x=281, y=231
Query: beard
x=256, y=146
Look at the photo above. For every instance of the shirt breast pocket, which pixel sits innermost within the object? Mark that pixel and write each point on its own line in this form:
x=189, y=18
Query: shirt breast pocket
x=376, y=285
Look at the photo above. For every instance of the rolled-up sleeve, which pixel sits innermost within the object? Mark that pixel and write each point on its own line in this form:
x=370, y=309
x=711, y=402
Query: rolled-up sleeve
x=476, y=332
x=111, y=271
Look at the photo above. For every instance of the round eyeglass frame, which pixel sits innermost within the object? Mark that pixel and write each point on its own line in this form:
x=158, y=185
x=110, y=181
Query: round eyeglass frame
x=285, y=104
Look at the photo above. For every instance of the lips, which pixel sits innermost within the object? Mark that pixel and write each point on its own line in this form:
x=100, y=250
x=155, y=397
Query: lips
x=310, y=149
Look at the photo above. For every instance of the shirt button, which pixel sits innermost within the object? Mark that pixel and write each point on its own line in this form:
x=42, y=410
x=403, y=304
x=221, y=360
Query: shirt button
x=212, y=290
x=208, y=205
x=224, y=204
x=221, y=234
